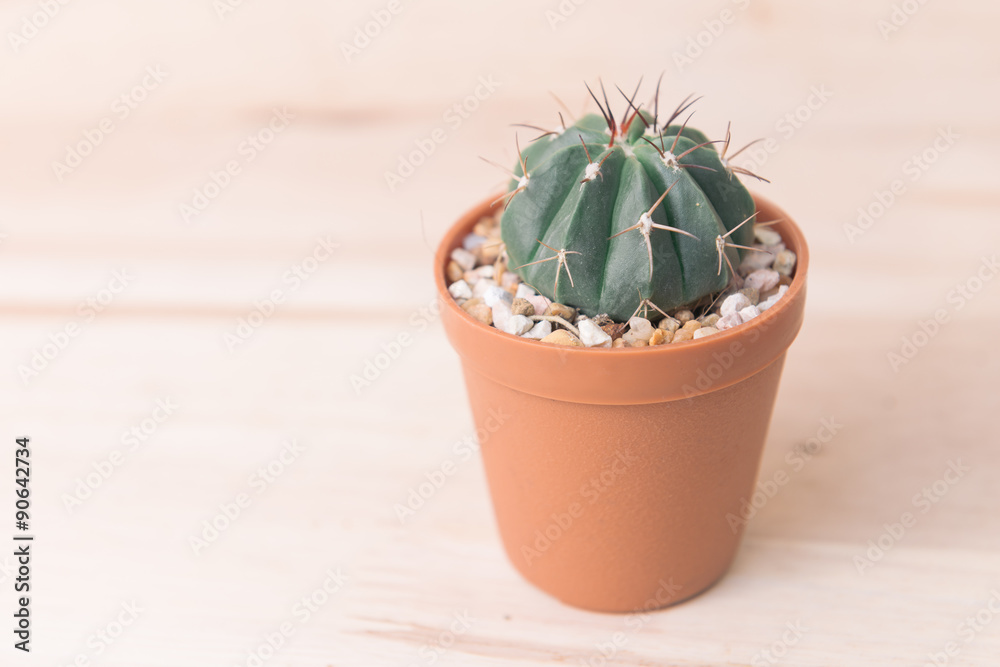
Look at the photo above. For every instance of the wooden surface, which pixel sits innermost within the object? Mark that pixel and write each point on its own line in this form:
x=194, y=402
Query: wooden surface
x=164, y=335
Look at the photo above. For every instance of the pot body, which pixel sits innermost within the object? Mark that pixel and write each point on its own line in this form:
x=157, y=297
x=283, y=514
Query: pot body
x=619, y=476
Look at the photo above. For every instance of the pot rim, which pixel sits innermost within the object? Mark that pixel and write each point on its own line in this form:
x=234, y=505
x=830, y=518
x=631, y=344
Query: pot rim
x=786, y=313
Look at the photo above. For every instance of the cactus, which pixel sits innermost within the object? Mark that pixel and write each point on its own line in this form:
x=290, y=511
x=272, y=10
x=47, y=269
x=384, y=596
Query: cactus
x=607, y=216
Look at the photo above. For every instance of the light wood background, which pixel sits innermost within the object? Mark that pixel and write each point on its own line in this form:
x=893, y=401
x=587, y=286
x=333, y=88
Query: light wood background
x=163, y=336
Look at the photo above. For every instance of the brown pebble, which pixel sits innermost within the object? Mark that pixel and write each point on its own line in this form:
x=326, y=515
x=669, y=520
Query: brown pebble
x=522, y=307
x=659, y=337
x=637, y=343
x=559, y=310
x=691, y=325
x=683, y=335
x=710, y=320
x=784, y=280
x=752, y=294
x=684, y=316
x=613, y=330
x=482, y=312
x=669, y=324
x=618, y=342
x=454, y=272
x=474, y=301
x=562, y=337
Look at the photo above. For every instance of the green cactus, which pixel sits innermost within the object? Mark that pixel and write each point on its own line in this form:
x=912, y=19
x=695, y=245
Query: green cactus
x=613, y=215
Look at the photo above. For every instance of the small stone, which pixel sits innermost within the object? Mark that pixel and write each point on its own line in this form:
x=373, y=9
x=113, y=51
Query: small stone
x=771, y=300
x=471, y=277
x=734, y=304
x=460, y=290
x=762, y=279
x=767, y=236
x=487, y=271
x=729, y=321
x=518, y=324
x=464, y=258
x=479, y=289
x=522, y=307
x=509, y=280
x=562, y=337
x=471, y=241
x=748, y=313
x=501, y=313
x=618, y=342
x=639, y=329
x=540, y=303
x=523, y=291
x=669, y=324
x=541, y=329
x=705, y=331
x=709, y=320
x=660, y=336
x=614, y=330
x=636, y=343
x=784, y=263
x=761, y=258
x=453, y=271
x=683, y=335
x=470, y=303
x=559, y=310
x=487, y=253
x=691, y=325
x=592, y=335
x=752, y=294
x=496, y=294
x=684, y=316
x=482, y=312
x=785, y=280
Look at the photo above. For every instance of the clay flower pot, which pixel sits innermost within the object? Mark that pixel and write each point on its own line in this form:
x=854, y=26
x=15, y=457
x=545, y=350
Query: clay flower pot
x=616, y=474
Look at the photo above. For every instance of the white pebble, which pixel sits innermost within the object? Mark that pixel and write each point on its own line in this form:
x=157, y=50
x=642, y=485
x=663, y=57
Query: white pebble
x=474, y=241
x=464, y=258
x=541, y=329
x=480, y=288
x=733, y=304
x=496, y=294
x=704, y=331
x=639, y=328
x=471, y=277
x=729, y=321
x=784, y=263
x=509, y=279
x=540, y=303
x=518, y=324
x=523, y=291
x=485, y=271
x=756, y=259
x=773, y=299
x=749, y=313
x=762, y=279
x=460, y=290
x=501, y=314
x=593, y=335
x=767, y=236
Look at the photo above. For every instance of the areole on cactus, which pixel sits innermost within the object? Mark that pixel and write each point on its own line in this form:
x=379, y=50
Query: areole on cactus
x=607, y=216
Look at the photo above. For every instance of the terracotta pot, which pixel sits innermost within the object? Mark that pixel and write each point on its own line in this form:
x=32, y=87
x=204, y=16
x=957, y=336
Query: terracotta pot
x=617, y=475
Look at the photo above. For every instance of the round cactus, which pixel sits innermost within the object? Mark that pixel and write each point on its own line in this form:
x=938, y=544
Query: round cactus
x=608, y=216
